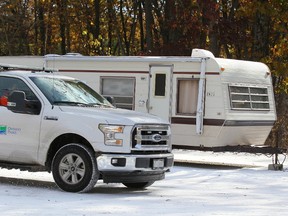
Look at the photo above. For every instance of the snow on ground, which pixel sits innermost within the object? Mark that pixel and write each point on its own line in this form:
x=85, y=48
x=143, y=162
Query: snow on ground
x=187, y=190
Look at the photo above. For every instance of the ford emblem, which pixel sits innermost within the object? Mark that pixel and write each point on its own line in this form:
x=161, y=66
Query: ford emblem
x=156, y=138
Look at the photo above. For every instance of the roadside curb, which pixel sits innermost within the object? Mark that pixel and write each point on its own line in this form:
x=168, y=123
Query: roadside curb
x=209, y=164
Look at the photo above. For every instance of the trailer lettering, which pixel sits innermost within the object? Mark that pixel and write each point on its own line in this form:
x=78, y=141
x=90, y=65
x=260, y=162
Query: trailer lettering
x=210, y=94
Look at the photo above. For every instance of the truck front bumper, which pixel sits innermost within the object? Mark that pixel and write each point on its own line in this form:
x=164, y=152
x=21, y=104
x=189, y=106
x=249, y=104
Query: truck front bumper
x=134, y=168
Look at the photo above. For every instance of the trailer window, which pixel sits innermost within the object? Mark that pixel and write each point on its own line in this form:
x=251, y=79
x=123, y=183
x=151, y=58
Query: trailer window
x=249, y=98
x=121, y=89
x=187, y=96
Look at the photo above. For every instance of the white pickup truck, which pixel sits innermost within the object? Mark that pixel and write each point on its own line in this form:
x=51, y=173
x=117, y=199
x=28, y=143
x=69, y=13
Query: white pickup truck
x=59, y=124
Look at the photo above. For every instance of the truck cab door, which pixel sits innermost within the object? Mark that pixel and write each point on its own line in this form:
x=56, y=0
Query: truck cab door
x=160, y=91
x=20, y=121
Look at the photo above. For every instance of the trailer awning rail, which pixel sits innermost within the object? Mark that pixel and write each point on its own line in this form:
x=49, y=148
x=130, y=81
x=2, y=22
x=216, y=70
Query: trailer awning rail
x=153, y=59
x=201, y=98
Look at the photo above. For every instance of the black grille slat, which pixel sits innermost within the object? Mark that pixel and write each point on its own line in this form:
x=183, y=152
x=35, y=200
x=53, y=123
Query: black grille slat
x=153, y=132
x=153, y=143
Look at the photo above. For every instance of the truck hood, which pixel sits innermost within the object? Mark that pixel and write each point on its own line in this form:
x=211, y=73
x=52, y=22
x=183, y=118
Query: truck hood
x=113, y=115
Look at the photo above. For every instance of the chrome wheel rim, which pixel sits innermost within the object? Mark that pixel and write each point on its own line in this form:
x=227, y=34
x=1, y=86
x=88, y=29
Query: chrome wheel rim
x=72, y=168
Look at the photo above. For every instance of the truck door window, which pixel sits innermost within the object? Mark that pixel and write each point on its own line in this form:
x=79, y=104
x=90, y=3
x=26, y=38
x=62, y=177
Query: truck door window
x=122, y=89
x=8, y=84
x=187, y=96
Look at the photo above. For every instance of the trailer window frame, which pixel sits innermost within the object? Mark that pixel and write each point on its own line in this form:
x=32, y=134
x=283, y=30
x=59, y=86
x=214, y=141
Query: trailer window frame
x=248, y=97
x=193, y=101
x=126, y=101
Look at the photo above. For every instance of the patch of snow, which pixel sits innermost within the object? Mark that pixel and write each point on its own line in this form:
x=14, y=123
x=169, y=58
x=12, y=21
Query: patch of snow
x=185, y=191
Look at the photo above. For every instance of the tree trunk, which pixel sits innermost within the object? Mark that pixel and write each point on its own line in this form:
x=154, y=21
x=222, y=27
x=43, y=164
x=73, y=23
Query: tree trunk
x=124, y=29
x=133, y=26
x=110, y=24
x=261, y=30
x=140, y=18
x=169, y=33
x=97, y=18
x=42, y=27
x=149, y=21
x=62, y=5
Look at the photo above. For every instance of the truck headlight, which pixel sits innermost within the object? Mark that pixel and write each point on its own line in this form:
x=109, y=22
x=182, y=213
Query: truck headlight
x=110, y=134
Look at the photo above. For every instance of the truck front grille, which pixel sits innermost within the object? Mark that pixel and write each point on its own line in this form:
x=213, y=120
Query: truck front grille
x=151, y=138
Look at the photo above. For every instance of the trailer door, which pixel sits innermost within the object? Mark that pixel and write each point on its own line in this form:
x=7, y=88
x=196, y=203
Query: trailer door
x=160, y=91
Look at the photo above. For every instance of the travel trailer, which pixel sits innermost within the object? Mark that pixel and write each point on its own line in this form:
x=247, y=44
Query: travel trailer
x=210, y=102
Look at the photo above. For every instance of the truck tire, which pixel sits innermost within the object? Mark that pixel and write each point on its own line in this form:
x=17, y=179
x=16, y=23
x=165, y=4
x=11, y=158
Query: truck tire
x=138, y=185
x=74, y=168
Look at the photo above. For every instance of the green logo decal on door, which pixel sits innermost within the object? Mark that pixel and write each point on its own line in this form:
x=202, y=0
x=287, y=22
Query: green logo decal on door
x=3, y=130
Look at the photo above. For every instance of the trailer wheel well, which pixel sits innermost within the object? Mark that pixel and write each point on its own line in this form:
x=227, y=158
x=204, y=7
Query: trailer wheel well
x=61, y=141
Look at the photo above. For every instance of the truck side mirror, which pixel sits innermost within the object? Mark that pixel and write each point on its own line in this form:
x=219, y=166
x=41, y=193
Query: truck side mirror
x=17, y=103
x=3, y=101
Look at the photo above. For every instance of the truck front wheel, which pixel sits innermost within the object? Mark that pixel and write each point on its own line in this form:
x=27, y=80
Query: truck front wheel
x=74, y=168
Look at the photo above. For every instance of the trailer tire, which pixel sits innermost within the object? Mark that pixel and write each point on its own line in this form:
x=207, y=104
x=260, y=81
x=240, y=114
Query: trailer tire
x=138, y=185
x=74, y=168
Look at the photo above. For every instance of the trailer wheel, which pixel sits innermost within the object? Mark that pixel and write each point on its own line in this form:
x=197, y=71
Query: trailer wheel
x=74, y=168
x=138, y=185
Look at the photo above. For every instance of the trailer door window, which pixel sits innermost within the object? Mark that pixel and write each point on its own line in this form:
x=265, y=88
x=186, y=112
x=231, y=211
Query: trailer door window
x=121, y=89
x=187, y=96
x=249, y=98
x=160, y=85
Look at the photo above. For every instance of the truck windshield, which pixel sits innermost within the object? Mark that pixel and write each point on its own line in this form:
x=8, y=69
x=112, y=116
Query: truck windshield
x=63, y=91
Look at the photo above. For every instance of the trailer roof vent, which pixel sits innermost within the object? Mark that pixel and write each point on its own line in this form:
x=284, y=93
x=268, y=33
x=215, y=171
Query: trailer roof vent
x=73, y=54
x=51, y=55
x=201, y=53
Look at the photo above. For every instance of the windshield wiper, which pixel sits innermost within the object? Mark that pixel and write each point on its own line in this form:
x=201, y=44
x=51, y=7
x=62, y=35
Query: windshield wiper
x=95, y=104
x=99, y=105
x=73, y=103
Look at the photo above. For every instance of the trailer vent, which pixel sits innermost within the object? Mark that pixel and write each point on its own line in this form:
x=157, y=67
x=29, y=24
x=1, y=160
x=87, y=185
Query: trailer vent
x=151, y=138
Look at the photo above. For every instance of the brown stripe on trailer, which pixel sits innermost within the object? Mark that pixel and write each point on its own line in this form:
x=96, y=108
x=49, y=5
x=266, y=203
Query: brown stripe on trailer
x=219, y=122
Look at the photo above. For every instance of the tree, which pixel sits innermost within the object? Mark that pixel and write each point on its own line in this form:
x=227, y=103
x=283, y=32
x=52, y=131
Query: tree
x=242, y=29
x=15, y=27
